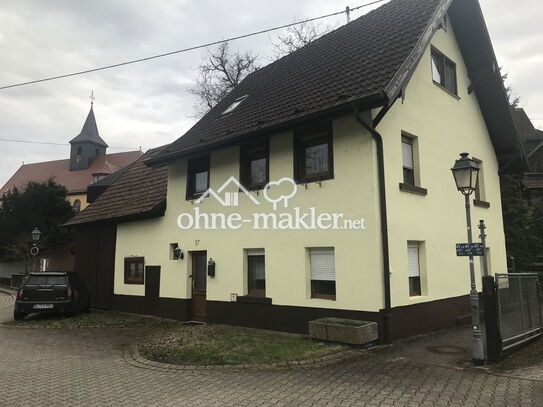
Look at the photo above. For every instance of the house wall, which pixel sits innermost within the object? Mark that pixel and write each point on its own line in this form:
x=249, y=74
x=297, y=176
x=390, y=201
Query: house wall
x=358, y=252
x=444, y=126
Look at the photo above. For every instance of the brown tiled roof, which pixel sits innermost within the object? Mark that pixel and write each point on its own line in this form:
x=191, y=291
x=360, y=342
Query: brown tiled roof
x=354, y=62
x=364, y=65
x=139, y=192
x=59, y=170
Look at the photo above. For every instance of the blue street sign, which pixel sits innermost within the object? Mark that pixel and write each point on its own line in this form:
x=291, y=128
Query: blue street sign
x=470, y=249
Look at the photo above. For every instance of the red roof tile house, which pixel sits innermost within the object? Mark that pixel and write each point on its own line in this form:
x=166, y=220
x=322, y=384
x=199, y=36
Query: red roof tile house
x=88, y=164
x=361, y=125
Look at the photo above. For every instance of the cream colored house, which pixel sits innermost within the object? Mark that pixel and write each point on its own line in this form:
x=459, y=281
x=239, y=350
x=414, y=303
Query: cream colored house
x=367, y=121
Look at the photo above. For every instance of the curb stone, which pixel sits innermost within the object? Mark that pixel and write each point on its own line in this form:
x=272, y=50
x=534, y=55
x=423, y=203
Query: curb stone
x=133, y=357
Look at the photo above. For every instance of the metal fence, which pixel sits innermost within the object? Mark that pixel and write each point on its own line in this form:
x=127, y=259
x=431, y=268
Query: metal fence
x=519, y=308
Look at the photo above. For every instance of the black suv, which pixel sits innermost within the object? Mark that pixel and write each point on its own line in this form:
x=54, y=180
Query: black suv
x=52, y=292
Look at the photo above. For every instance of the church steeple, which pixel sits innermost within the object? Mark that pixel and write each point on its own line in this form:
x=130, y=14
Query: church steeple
x=86, y=145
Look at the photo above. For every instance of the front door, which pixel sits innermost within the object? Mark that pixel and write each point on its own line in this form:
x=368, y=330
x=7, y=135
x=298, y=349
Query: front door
x=152, y=289
x=199, y=285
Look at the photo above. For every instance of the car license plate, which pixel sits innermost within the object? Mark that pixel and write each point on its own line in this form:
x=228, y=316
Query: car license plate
x=42, y=306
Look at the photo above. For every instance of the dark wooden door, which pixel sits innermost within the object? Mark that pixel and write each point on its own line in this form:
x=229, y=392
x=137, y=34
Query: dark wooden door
x=152, y=289
x=106, y=266
x=95, y=262
x=199, y=285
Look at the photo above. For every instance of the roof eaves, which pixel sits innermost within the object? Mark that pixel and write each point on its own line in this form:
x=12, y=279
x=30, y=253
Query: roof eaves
x=156, y=211
x=490, y=92
x=400, y=80
x=369, y=102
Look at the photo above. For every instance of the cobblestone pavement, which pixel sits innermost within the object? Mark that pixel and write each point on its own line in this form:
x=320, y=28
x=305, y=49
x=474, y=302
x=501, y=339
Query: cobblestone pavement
x=89, y=367
x=6, y=298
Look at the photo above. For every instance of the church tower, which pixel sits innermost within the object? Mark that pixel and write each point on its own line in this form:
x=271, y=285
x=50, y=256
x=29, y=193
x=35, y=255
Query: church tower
x=87, y=145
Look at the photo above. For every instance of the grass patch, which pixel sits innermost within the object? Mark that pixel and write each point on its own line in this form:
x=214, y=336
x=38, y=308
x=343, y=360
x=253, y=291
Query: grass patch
x=225, y=345
x=90, y=319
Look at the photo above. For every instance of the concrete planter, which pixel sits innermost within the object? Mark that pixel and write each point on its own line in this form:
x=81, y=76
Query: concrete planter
x=340, y=330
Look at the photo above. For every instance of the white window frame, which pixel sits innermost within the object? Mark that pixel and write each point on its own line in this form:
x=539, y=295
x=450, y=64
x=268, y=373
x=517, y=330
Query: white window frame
x=322, y=272
x=414, y=269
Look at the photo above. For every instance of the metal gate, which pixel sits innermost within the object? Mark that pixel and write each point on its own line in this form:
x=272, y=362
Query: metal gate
x=519, y=308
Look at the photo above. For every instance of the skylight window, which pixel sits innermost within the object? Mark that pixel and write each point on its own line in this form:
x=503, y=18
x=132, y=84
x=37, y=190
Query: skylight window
x=234, y=105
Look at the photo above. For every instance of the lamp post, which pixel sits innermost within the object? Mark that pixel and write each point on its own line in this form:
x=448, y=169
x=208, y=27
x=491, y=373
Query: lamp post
x=35, y=239
x=465, y=172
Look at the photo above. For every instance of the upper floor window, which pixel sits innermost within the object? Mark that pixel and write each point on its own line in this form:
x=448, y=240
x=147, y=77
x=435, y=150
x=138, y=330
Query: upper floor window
x=444, y=71
x=235, y=104
x=197, y=176
x=313, y=154
x=254, y=162
x=408, y=160
x=480, y=193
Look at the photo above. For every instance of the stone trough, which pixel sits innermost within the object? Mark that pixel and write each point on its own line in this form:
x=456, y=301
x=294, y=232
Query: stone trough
x=349, y=331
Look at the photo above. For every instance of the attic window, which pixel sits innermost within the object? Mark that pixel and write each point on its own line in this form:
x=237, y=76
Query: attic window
x=444, y=72
x=234, y=105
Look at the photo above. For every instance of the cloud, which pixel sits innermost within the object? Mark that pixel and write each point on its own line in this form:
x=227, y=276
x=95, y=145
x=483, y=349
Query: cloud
x=148, y=104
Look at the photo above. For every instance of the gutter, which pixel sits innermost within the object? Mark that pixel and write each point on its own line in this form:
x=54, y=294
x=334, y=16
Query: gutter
x=383, y=212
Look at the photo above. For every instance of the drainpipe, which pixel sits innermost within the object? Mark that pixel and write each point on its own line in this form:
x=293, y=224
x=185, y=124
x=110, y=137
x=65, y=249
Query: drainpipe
x=384, y=224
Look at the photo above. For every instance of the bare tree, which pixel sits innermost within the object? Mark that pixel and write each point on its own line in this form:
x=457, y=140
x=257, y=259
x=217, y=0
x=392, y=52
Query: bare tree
x=298, y=36
x=19, y=252
x=220, y=72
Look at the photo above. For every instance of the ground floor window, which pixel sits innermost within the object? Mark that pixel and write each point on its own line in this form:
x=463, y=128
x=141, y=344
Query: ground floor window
x=413, y=268
x=256, y=272
x=134, y=270
x=322, y=272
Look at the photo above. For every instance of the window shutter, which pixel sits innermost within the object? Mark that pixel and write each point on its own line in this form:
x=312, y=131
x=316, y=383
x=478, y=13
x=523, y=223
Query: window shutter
x=322, y=264
x=407, y=155
x=413, y=266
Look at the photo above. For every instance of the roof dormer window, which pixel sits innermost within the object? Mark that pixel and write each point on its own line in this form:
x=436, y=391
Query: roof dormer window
x=235, y=104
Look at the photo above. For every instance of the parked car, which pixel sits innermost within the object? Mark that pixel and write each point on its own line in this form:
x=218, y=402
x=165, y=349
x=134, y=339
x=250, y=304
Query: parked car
x=52, y=292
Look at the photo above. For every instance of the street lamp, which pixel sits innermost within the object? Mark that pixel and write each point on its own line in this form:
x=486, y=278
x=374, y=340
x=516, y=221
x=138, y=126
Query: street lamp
x=465, y=172
x=34, y=250
x=36, y=234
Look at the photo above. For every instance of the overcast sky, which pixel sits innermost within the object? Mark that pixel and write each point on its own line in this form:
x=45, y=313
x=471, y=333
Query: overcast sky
x=147, y=104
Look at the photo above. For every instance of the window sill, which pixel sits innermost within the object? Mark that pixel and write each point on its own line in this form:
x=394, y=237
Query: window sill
x=443, y=88
x=318, y=180
x=418, y=298
x=249, y=299
x=323, y=297
x=413, y=189
x=481, y=204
